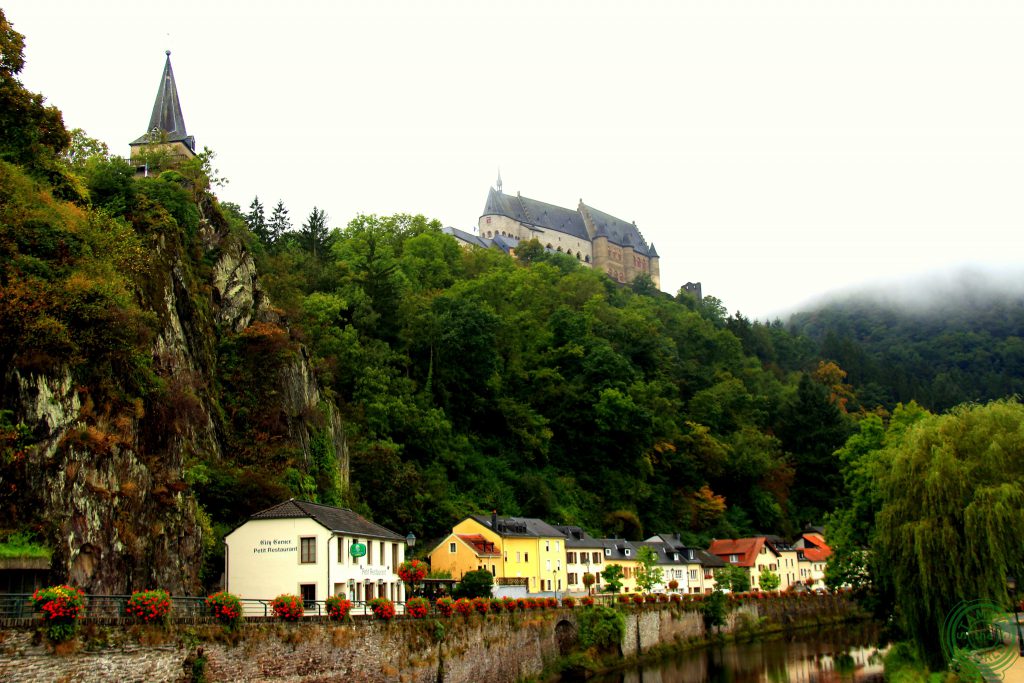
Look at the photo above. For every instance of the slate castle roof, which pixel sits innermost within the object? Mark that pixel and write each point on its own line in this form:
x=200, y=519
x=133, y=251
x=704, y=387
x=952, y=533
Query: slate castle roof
x=338, y=520
x=537, y=214
x=167, y=116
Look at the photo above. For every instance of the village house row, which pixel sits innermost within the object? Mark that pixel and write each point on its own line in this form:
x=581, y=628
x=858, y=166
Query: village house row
x=315, y=550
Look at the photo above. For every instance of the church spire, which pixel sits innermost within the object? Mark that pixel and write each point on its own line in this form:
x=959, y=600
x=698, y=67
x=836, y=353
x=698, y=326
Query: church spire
x=499, y=179
x=167, y=116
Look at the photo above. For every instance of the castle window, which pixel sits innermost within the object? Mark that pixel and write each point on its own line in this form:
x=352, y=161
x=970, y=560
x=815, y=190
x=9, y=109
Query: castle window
x=586, y=259
x=559, y=250
x=549, y=245
x=577, y=256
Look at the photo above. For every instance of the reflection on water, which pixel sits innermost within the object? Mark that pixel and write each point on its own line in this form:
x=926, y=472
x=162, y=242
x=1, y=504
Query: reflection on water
x=831, y=655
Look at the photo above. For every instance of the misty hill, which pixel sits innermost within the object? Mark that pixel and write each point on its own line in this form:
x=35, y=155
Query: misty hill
x=948, y=343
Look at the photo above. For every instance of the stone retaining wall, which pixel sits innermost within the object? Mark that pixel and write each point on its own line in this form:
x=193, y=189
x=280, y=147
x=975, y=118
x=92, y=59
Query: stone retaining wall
x=500, y=648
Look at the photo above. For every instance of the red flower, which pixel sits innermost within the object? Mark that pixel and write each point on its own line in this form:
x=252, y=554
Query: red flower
x=445, y=606
x=417, y=607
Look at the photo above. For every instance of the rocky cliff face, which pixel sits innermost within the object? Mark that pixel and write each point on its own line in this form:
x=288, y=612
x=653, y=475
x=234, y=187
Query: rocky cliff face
x=109, y=482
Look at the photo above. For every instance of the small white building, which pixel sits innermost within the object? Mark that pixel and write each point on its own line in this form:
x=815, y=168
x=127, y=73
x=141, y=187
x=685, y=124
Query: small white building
x=313, y=551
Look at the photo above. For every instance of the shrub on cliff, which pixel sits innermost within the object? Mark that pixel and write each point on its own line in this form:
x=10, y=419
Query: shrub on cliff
x=601, y=627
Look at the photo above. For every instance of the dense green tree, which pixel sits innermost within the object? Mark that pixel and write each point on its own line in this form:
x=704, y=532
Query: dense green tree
x=732, y=578
x=612, y=575
x=84, y=148
x=812, y=428
x=768, y=580
x=474, y=584
x=952, y=514
x=31, y=134
x=648, y=574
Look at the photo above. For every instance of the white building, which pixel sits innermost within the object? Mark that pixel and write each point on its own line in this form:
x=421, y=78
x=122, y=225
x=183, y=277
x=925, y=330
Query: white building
x=313, y=551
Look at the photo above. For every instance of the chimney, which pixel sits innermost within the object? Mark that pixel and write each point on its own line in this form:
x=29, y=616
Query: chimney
x=494, y=520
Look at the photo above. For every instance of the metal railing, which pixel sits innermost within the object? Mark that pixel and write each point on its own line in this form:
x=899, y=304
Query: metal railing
x=19, y=606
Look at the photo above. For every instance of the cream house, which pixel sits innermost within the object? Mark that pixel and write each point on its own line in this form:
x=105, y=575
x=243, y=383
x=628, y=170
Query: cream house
x=760, y=553
x=314, y=551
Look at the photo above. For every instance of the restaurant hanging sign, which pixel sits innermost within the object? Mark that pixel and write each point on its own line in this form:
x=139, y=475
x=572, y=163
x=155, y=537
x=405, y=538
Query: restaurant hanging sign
x=357, y=550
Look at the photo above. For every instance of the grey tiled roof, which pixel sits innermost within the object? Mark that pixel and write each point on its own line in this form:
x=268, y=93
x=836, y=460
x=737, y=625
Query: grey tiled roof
x=521, y=527
x=576, y=537
x=709, y=560
x=534, y=212
x=616, y=230
x=167, y=115
x=618, y=548
x=673, y=544
x=341, y=520
x=497, y=242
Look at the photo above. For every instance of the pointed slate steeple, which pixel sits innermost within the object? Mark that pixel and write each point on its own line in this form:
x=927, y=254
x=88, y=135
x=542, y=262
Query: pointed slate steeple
x=167, y=117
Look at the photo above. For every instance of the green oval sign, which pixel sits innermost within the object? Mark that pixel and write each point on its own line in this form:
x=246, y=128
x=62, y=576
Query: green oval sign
x=357, y=550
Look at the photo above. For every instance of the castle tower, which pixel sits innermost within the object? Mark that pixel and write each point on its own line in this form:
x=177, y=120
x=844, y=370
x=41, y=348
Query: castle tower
x=166, y=137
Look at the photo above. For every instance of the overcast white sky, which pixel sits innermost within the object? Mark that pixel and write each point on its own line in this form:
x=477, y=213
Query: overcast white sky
x=771, y=150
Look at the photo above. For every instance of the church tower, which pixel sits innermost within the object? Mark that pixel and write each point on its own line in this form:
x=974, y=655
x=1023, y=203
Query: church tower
x=166, y=138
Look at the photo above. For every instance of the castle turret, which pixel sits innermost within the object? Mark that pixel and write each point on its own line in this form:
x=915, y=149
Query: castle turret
x=166, y=137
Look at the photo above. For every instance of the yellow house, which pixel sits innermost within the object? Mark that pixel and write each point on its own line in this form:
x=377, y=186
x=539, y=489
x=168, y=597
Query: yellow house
x=518, y=551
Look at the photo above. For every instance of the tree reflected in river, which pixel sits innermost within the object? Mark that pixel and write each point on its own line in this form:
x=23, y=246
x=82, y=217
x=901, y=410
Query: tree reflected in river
x=843, y=654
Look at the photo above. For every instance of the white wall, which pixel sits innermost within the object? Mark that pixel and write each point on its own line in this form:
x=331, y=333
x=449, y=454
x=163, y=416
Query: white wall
x=263, y=561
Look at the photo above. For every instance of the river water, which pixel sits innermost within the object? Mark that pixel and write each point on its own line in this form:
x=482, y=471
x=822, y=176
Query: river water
x=845, y=654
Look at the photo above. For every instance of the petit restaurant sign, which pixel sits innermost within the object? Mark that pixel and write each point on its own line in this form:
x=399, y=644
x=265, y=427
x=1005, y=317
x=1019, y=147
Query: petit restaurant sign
x=277, y=545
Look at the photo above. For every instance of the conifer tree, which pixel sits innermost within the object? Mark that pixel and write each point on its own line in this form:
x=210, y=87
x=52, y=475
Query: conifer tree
x=279, y=223
x=314, y=235
x=257, y=221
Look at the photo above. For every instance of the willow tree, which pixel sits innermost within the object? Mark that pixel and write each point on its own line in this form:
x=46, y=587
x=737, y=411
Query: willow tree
x=952, y=516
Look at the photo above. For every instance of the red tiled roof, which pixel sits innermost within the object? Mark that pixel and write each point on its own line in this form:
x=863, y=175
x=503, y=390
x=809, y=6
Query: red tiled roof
x=815, y=548
x=480, y=545
x=746, y=549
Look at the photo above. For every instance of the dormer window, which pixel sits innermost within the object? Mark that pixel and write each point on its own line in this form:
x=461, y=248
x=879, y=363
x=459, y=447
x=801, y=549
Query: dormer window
x=608, y=552
x=675, y=557
x=734, y=558
x=627, y=552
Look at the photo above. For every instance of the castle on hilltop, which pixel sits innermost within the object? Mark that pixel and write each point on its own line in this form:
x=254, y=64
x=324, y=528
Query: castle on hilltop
x=594, y=237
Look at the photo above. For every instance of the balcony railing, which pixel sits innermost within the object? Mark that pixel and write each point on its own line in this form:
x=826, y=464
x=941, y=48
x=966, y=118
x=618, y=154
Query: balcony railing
x=513, y=581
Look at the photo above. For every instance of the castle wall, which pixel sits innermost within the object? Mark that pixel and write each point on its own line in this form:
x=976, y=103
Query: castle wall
x=496, y=225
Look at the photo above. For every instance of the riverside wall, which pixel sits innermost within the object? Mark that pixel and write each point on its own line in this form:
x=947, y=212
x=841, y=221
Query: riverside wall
x=498, y=648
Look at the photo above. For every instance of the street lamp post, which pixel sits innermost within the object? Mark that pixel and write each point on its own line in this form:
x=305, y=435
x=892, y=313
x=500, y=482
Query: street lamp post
x=1011, y=583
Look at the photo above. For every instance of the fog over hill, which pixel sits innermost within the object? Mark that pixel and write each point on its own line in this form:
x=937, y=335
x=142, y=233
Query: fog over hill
x=926, y=295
